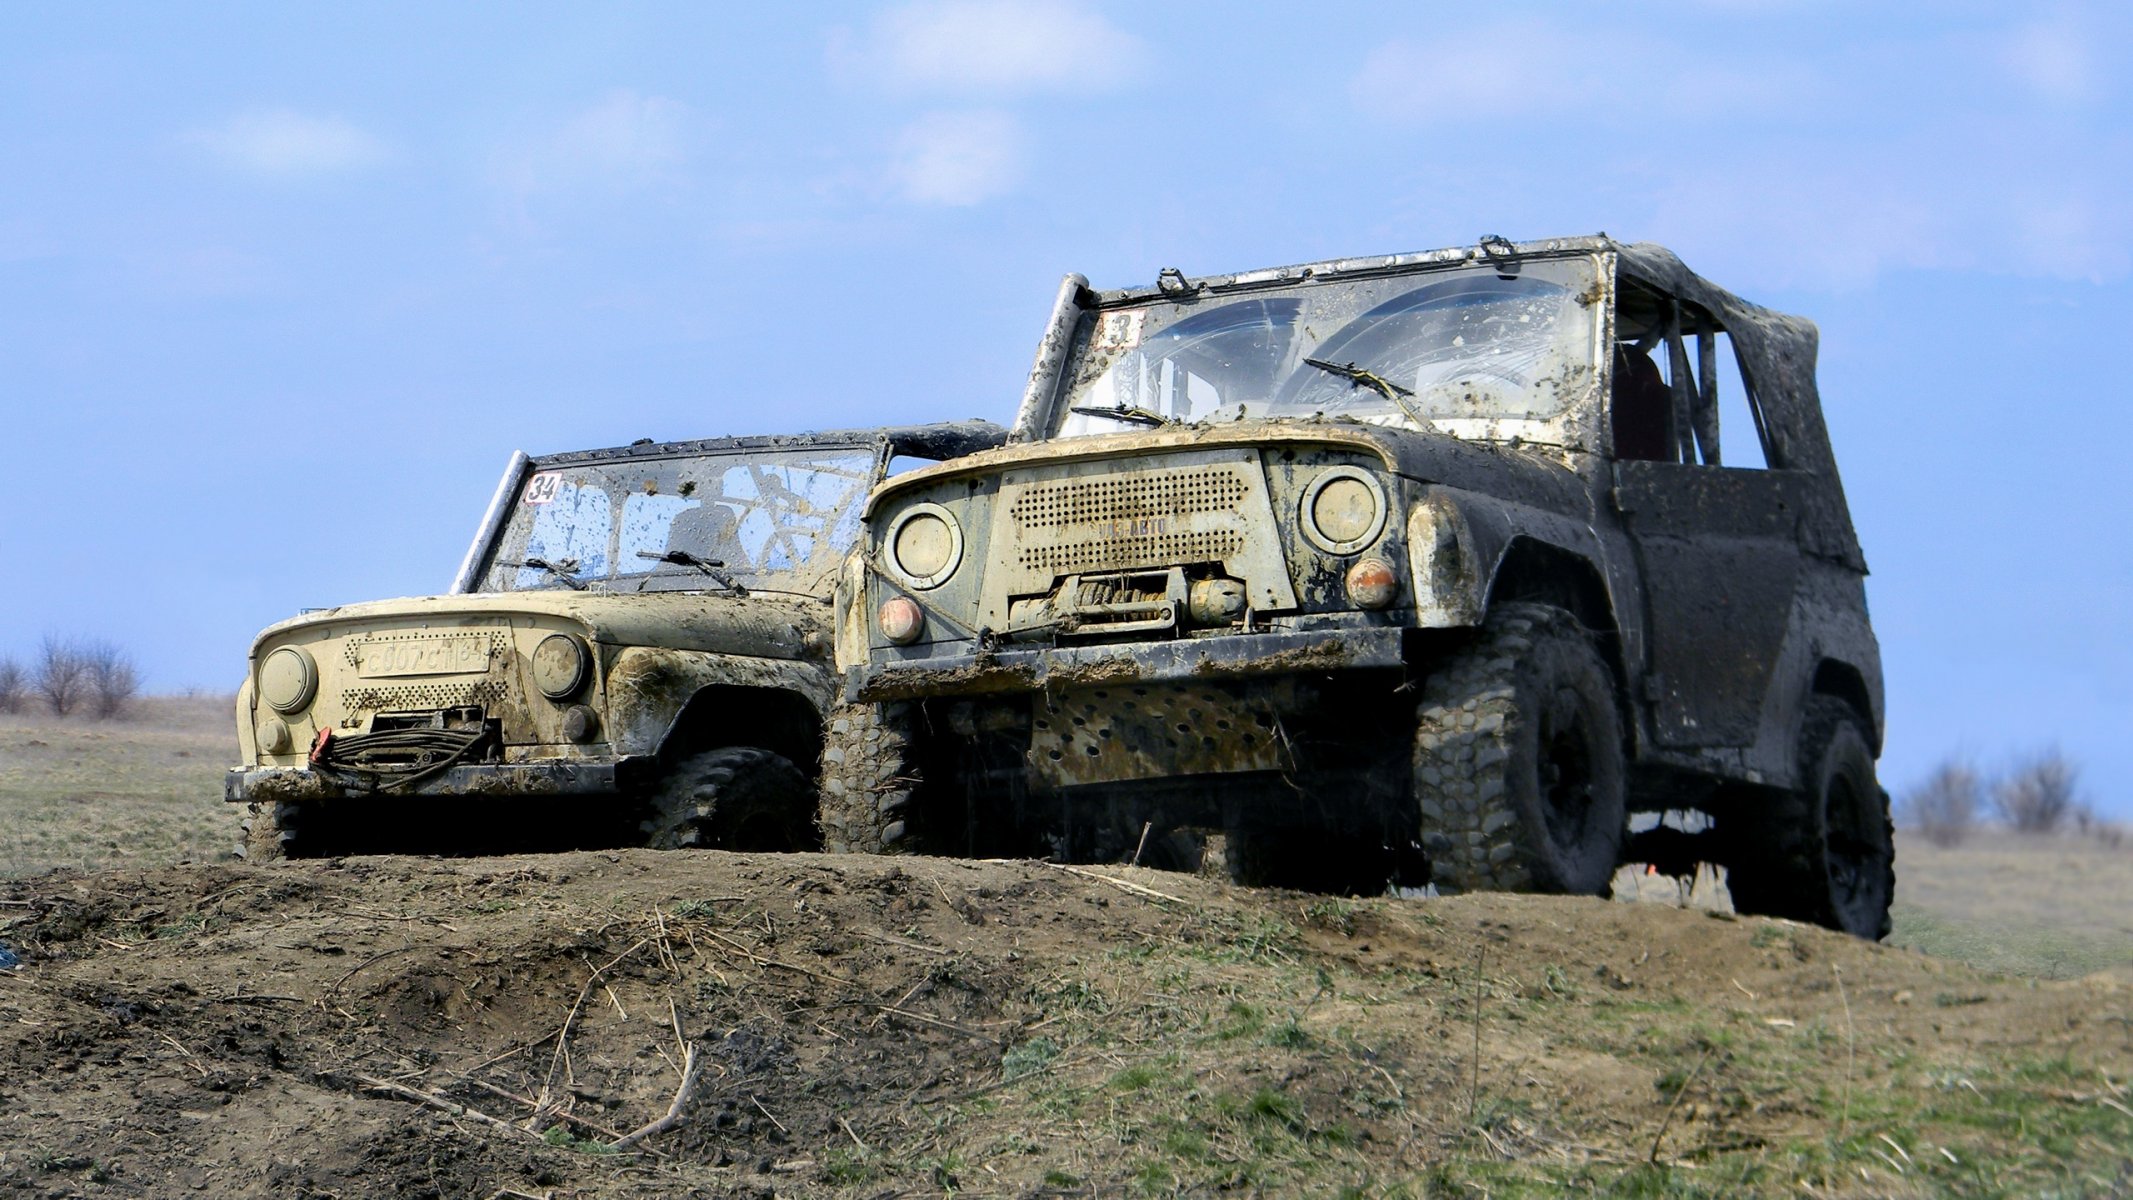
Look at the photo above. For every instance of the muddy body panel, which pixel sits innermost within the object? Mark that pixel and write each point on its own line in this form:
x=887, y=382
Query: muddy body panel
x=1259, y=512
x=620, y=611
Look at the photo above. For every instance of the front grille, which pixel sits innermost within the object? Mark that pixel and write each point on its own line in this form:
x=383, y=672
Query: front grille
x=1163, y=549
x=422, y=696
x=1135, y=513
x=1173, y=493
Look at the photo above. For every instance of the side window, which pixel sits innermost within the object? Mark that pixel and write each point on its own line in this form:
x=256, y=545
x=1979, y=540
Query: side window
x=1679, y=392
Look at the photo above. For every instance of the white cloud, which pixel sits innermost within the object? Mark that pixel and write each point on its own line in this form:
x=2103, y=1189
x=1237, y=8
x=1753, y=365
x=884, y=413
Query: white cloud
x=286, y=143
x=626, y=140
x=959, y=158
x=1003, y=48
x=1528, y=68
x=624, y=145
x=2053, y=61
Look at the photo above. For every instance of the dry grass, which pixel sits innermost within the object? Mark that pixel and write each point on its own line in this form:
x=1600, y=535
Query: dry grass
x=146, y=791
x=142, y=791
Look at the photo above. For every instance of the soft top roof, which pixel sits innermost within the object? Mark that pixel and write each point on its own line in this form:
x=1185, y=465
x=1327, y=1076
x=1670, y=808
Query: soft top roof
x=942, y=440
x=1778, y=351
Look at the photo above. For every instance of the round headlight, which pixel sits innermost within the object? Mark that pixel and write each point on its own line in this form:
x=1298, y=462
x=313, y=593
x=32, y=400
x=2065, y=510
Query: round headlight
x=560, y=665
x=287, y=679
x=925, y=545
x=1343, y=510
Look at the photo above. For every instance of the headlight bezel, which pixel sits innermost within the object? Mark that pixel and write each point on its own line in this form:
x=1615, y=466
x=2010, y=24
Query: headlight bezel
x=273, y=680
x=560, y=678
x=1374, y=528
x=895, y=565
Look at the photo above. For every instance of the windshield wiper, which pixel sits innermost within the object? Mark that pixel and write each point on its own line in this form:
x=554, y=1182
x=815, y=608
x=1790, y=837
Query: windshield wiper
x=1131, y=416
x=709, y=566
x=565, y=570
x=1358, y=377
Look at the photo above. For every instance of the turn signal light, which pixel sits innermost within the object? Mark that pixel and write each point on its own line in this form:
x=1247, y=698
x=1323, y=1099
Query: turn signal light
x=901, y=620
x=1371, y=584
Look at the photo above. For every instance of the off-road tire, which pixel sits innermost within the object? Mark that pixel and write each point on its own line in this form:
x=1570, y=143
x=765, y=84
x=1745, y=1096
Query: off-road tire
x=733, y=798
x=867, y=779
x=1825, y=851
x=1518, y=762
x=268, y=832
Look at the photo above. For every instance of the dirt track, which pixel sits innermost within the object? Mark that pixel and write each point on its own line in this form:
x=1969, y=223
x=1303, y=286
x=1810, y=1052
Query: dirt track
x=889, y=1027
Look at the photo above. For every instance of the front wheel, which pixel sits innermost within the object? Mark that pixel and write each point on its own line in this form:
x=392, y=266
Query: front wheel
x=1518, y=760
x=734, y=798
x=1825, y=851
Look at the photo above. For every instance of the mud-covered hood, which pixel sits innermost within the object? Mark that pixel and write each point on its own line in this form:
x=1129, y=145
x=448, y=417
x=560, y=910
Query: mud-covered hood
x=759, y=625
x=1505, y=471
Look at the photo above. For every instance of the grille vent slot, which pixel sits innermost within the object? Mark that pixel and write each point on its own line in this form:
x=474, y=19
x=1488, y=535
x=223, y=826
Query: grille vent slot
x=1214, y=545
x=1125, y=498
x=422, y=697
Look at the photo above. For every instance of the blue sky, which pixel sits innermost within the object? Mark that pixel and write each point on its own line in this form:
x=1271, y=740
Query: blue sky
x=282, y=286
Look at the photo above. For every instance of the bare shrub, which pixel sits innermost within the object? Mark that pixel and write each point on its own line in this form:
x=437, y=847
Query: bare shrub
x=14, y=685
x=114, y=680
x=62, y=674
x=1946, y=806
x=2041, y=794
x=2094, y=825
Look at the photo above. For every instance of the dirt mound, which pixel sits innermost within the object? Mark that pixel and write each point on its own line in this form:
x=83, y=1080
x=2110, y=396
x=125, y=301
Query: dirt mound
x=867, y=1026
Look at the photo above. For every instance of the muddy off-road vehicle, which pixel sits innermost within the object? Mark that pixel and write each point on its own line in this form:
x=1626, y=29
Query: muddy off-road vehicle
x=1403, y=570
x=637, y=650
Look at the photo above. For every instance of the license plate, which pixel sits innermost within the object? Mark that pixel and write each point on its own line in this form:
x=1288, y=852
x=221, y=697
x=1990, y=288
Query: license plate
x=386, y=657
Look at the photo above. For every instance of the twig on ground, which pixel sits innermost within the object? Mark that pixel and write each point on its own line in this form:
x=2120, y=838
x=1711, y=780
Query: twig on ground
x=922, y=1018
x=1146, y=826
x=1124, y=885
x=561, y=1057
x=1679, y=1094
x=373, y=1083
x=373, y=960
x=566, y=1117
x=855, y=1137
x=904, y=942
x=689, y=1075
x=767, y=1113
x=189, y=1056
x=762, y=961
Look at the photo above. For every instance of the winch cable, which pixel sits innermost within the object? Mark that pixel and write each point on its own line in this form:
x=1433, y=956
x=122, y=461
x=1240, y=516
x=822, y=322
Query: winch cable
x=346, y=755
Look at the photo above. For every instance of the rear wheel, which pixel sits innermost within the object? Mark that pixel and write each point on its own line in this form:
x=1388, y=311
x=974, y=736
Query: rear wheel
x=734, y=798
x=1518, y=762
x=1824, y=852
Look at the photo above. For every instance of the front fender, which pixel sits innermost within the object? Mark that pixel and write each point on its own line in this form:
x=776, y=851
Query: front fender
x=647, y=688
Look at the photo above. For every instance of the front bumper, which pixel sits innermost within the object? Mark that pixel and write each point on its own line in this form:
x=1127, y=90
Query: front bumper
x=1022, y=669
x=280, y=784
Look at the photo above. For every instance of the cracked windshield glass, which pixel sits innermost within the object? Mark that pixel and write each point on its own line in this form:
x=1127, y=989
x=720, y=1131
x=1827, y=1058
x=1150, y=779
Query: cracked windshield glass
x=1469, y=351
x=773, y=522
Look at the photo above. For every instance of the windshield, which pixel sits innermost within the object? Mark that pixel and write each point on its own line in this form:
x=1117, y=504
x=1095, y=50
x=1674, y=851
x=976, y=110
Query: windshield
x=1440, y=350
x=770, y=522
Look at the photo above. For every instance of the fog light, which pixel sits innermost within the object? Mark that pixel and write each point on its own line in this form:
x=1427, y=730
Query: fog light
x=273, y=736
x=1371, y=584
x=580, y=723
x=901, y=620
x=1215, y=601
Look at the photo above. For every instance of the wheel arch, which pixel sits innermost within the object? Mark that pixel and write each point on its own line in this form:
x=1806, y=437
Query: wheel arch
x=1534, y=571
x=775, y=719
x=1842, y=681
